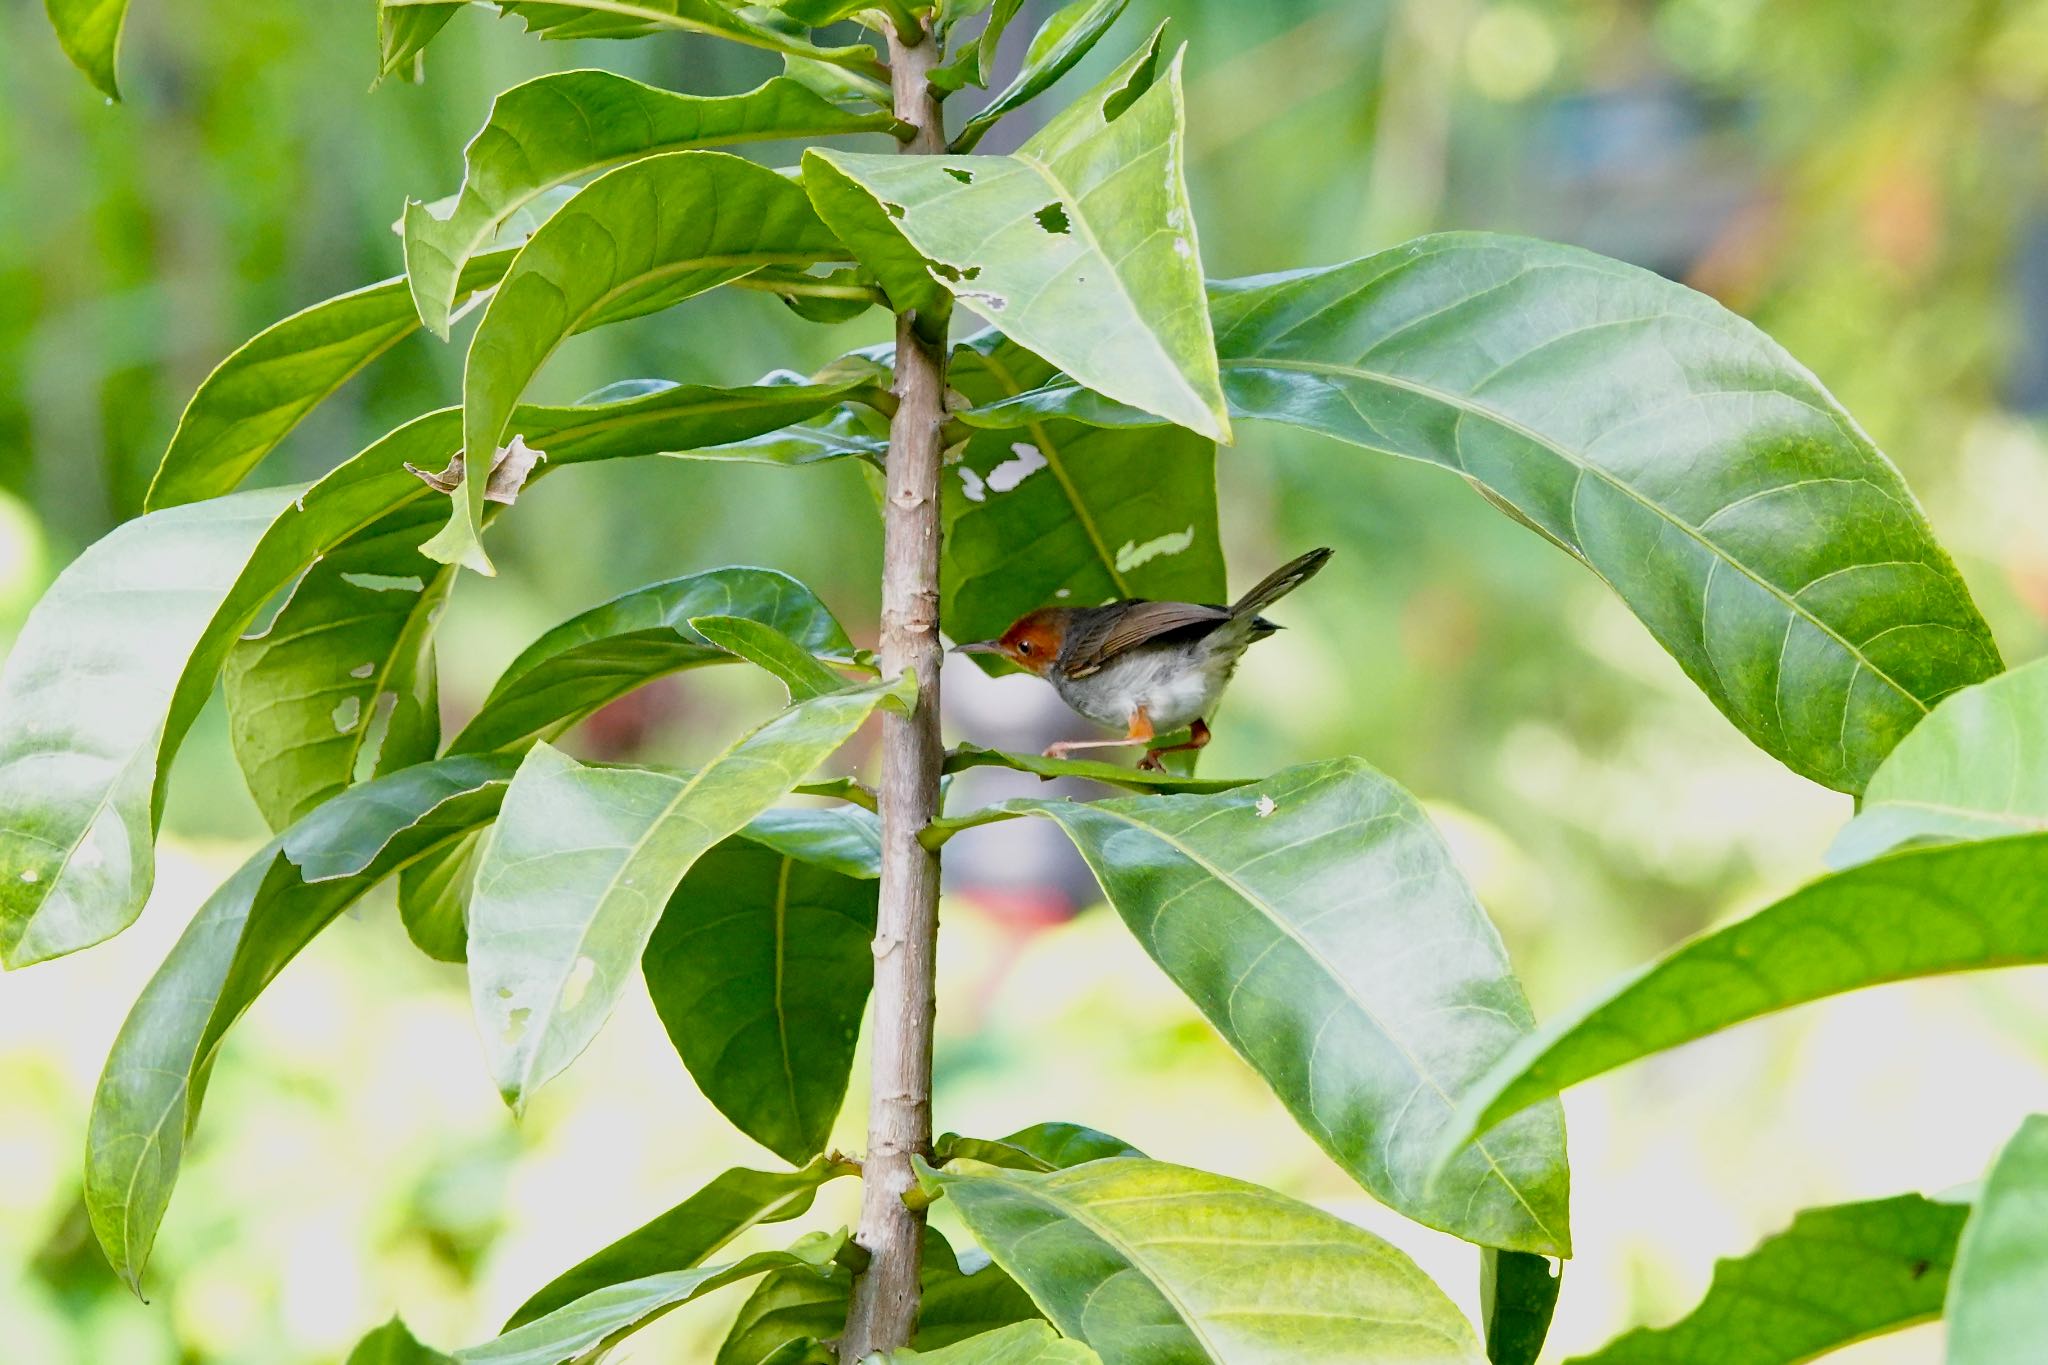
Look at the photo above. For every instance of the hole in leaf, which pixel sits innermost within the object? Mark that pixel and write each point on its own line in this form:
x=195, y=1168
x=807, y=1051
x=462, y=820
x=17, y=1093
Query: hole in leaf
x=895, y=210
x=1053, y=218
x=964, y=177
x=515, y=1025
x=578, y=984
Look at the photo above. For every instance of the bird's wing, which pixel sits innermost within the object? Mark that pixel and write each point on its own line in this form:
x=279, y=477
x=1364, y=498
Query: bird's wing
x=1095, y=642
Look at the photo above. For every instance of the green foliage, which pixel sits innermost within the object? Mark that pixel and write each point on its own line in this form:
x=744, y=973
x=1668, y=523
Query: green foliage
x=394, y=1344
x=1998, y=1294
x=1023, y=1343
x=1517, y=1296
x=90, y=31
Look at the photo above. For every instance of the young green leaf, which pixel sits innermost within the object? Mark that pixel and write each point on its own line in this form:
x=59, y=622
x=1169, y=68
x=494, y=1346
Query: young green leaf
x=564, y=19
x=637, y=239
x=1517, y=1297
x=1150, y=1262
x=1318, y=920
x=403, y=33
x=575, y=874
x=683, y=1237
x=245, y=934
x=1081, y=246
x=394, y=1344
x=1022, y=1343
x=1068, y=36
x=1838, y=1275
x=558, y=128
x=433, y=899
x=1998, y=1295
x=1977, y=767
x=89, y=31
x=760, y=969
x=608, y=651
x=771, y=651
x=254, y=399
x=1924, y=912
x=1041, y=1147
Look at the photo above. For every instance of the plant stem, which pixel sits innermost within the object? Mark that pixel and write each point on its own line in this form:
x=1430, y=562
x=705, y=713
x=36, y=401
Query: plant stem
x=884, y=1309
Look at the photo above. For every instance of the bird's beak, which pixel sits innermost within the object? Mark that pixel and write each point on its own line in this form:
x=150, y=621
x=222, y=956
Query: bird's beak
x=979, y=647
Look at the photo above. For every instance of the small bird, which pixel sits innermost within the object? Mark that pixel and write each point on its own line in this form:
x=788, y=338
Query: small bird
x=1147, y=668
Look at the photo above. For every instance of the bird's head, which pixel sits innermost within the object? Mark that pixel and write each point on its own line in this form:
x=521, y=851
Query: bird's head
x=1032, y=642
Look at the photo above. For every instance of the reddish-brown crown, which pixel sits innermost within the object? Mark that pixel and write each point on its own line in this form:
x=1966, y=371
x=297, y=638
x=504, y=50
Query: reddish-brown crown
x=1033, y=641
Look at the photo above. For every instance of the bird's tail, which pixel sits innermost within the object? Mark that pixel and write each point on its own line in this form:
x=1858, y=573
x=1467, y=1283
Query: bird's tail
x=1280, y=582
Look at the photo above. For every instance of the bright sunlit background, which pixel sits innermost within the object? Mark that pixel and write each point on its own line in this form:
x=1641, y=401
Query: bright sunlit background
x=1864, y=178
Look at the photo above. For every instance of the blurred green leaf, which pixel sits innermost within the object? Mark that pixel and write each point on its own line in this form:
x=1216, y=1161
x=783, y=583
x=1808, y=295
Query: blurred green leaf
x=771, y=651
x=1977, y=767
x=90, y=33
x=1041, y=1147
x=1924, y=912
x=394, y=1344
x=1357, y=974
x=576, y=871
x=254, y=399
x=1998, y=1295
x=555, y=129
x=1081, y=246
x=1517, y=1296
x=1150, y=1262
x=564, y=19
x=148, y=1098
x=1672, y=447
x=694, y=1229
x=637, y=239
x=1060, y=43
x=606, y=652
x=1022, y=1343
x=614, y=1312
x=1838, y=1275
x=760, y=969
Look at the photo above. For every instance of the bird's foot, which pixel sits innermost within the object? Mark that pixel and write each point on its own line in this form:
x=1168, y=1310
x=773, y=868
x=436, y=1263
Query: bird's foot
x=1150, y=762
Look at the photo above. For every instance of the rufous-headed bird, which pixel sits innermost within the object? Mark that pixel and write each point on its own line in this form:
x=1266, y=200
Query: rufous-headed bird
x=1147, y=668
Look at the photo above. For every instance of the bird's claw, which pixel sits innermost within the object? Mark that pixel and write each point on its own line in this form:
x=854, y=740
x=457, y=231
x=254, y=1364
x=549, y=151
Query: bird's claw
x=1150, y=763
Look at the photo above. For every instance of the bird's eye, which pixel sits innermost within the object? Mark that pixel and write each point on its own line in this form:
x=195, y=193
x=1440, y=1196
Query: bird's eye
x=1025, y=647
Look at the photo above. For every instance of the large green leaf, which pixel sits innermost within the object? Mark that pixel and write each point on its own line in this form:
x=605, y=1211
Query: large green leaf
x=89, y=31
x=768, y=649
x=760, y=969
x=609, y=1314
x=1998, y=1296
x=558, y=128
x=1068, y=36
x=1975, y=768
x=1838, y=1275
x=1041, y=1147
x=606, y=652
x=1668, y=444
x=1065, y=512
x=563, y=19
x=1517, y=1298
x=1153, y=1263
x=255, y=397
x=394, y=1344
x=1923, y=912
x=1318, y=920
x=1021, y=1343
x=245, y=934
x=637, y=239
x=433, y=899
x=694, y=1229
x=1081, y=246
x=575, y=874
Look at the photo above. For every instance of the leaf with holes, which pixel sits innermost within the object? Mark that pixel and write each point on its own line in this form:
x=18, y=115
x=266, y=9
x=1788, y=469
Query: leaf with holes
x=1064, y=39
x=575, y=873
x=1998, y=1294
x=1668, y=444
x=635, y=240
x=1148, y=1262
x=1081, y=246
x=246, y=933
x=558, y=128
x=1357, y=974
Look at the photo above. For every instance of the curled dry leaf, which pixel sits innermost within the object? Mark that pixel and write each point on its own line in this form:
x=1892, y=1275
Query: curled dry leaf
x=509, y=470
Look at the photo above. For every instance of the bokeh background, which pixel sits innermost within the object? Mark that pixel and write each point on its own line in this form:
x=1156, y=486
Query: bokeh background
x=1864, y=178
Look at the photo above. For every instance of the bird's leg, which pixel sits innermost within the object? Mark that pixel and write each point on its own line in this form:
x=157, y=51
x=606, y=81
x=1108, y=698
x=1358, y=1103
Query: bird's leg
x=1198, y=738
x=1140, y=733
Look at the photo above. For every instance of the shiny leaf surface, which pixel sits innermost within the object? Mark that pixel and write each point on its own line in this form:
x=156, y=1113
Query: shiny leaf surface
x=1998, y=1295
x=1148, y=1262
x=89, y=31
x=771, y=651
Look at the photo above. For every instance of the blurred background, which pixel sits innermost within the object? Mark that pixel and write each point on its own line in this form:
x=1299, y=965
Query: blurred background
x=1864, y=178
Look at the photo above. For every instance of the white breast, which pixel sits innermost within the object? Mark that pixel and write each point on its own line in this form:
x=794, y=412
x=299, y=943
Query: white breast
x=1175, y=687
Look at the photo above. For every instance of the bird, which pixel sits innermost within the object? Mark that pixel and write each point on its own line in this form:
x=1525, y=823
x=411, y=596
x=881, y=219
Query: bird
x=1147, y=668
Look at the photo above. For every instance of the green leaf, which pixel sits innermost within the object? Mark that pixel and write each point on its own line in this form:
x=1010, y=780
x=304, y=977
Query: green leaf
x=1838, y=1275
x=966, y=756
x=1517, y=1296
x=576, y=872
x=1671, y=446
x=245, y=934
x=564, y=19
x=609, y=1314
x=1998, y=1296
x=254, y=399
x=1022, y=1343
x=760, y=969
x=553, y=130
x=89, y=31
x=1041, y=1147
x=1977, y=767
x=770, y=650
x=1081, y=246
x=635, y=240
x=1064, y=512
x=394, y=1344
x=403, y=34
x=433, y=900
x=842, y=839
x=1068, y=36
x=1356, y=973
x=1948, y=908
x=1156, y=1263
x=683, y=1237
x=606, y=652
